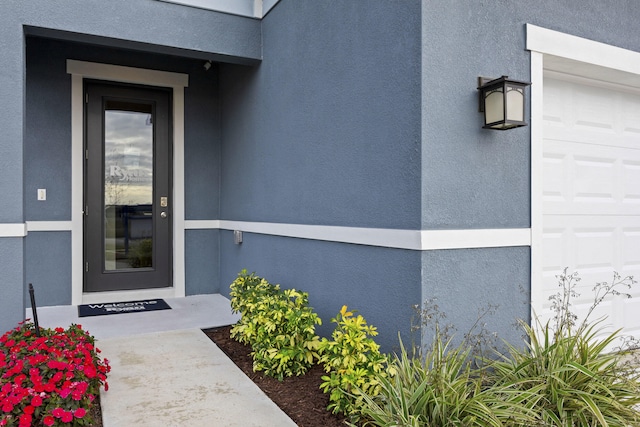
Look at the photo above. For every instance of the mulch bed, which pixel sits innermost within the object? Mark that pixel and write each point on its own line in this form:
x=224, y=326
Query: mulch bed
x=299, y=397
x=96, y=413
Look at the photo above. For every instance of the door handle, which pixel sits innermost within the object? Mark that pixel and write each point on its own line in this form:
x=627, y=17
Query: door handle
x=163, y=214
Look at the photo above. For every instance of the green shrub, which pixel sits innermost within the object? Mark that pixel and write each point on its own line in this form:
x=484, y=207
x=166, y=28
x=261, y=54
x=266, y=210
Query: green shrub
x=354, y=364
x=278, y=325
x=247, y=292
x=569, y=371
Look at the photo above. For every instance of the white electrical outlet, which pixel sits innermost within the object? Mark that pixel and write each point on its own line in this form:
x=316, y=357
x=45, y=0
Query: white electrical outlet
x=42, y=194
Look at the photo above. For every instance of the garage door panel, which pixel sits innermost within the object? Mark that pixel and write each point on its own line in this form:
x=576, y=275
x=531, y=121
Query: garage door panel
x=555, y=167
x=595, y=108
x=630, y=180
x=629, y=113
x=594, y=179
x=590, y=179
x=555, y=111
x=591, y=193
x=631, y=248
x=589, y=252
x=556, y=251
x=594, y=248
x=554, y=131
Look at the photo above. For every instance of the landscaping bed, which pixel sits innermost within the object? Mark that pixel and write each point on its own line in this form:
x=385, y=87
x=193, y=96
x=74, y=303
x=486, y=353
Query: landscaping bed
x=299, y=397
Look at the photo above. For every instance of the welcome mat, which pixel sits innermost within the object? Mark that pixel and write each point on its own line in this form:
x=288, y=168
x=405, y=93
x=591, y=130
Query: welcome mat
x=87, y=310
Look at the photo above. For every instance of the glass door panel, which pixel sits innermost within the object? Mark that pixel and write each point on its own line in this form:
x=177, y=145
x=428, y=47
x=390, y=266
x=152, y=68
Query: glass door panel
x=128, y=185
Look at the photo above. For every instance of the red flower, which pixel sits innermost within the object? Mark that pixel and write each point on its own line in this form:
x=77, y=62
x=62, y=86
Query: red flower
x=65, y=392
x=60, y=366
x=25, y=420
x=36, y=401
x=67, y=417
x=79, y=413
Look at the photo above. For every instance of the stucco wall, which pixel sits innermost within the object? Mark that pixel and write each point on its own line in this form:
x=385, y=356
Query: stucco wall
x=202, y=262
x=48, y=267
x=466, y=282
x=326, y=131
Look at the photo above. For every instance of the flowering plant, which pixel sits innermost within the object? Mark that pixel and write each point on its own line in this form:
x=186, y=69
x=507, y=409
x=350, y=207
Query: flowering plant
x=50, y=380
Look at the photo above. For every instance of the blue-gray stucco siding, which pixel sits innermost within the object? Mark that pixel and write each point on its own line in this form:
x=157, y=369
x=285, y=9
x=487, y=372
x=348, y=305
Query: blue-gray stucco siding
x=326, y=130
x=359, y=113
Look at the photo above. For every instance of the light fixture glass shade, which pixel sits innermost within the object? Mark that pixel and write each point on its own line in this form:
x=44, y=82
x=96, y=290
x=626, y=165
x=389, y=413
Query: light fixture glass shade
x=503, y=102
x=494, y=106
x=515, y=103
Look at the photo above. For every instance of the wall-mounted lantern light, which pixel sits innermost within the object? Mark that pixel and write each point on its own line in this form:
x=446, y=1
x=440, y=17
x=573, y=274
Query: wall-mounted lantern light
x=502, y=100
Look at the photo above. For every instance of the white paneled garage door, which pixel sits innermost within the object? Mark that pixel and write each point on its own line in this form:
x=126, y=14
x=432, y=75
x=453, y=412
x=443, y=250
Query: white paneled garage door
x=591, y=191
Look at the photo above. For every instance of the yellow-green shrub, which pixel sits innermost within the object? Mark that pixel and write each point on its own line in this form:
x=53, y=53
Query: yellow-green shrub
x=278, y=325
x=354, y=364
x=247, y=291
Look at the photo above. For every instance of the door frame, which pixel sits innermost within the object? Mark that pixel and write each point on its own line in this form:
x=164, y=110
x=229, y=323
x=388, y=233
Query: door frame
x=177, y=82
x=555, y=51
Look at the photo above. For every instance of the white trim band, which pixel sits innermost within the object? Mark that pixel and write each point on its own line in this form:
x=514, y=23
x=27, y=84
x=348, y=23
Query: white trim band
x=13, y=230
x=419, y=240
x=580, y=49
x=49, y=226
x=249, y=8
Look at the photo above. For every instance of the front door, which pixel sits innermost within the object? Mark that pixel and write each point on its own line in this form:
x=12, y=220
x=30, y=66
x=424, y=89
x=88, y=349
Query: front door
x=127, y=227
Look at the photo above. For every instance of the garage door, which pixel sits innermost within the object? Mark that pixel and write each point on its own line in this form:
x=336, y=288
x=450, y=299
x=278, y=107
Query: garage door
x=591, y=192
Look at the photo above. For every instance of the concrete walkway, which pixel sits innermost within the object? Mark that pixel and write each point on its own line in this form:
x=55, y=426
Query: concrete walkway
x=180, y=378
x=167, y=372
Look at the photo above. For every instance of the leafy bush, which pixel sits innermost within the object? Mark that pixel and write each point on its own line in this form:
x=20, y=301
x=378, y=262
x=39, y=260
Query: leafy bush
x=247, y=292
x=566, y=376
x=278, y=325
x=50, y=380
x=440, y=388
x=568, y=372
x=354, y=364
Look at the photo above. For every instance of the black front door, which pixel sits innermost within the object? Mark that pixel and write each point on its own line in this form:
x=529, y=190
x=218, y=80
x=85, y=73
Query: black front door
x=127, y=227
